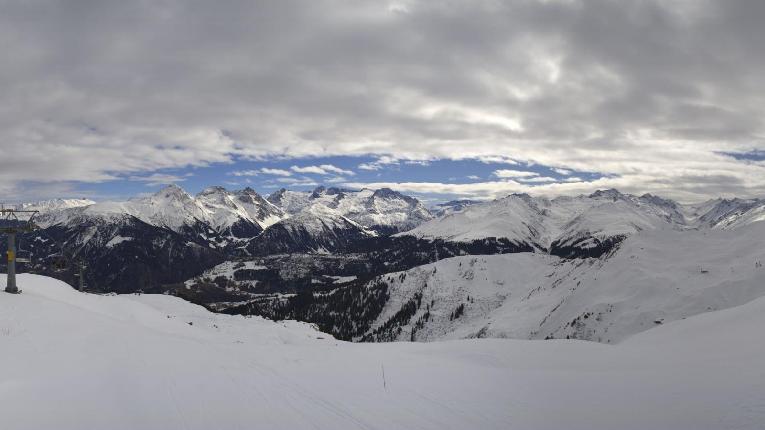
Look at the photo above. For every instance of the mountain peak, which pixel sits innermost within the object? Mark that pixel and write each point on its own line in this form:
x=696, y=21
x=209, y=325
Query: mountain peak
x=609, y=193
x=318, y=191
x=658, y=201
x=523, y=196
x=331, y=191
x=385, y=192
x=276, y=196
x=247, y=190
x=172, y=191
x=216, y=189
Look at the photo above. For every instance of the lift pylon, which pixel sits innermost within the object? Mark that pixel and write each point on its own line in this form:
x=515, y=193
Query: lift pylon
x=12, y=222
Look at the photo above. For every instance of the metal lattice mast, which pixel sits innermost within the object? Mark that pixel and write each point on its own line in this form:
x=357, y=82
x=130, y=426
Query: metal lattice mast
x=10, y=224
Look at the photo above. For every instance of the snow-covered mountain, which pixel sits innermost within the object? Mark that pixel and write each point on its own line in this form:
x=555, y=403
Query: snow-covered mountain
x=121, y=252
x=315, y=228
x=729, y=213
x=158, y=242
x=383, y=210
x=44, y=206
x=176, y=224
x=587, y=225
x=237, y=214
x=86, y=362
x=243, y=213
x=654, y=277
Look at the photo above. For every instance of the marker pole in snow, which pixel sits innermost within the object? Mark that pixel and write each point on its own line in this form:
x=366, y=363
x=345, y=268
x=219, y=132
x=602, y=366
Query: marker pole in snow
x=81, y=275
x=11, y=286
x=10, y=224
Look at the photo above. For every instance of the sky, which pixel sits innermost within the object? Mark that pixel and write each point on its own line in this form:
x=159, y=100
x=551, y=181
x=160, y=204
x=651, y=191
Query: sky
x=439, y=99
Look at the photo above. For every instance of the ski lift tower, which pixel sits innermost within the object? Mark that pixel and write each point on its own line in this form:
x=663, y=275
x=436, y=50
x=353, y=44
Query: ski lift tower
x=12, y=222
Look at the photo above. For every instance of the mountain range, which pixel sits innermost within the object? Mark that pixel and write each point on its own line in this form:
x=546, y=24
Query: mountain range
x=377, y=265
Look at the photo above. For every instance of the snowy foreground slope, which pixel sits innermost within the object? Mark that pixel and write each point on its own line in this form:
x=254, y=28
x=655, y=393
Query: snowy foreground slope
x=76, y=361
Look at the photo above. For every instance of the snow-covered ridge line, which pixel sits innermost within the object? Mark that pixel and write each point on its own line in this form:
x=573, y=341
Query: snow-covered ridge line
x=383, y=210
x=44, y=206
x=563, y=225
x=175, y=209
x=245, y=213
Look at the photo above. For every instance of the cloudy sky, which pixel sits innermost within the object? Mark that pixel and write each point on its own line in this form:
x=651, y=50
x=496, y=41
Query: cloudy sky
x=437, y=98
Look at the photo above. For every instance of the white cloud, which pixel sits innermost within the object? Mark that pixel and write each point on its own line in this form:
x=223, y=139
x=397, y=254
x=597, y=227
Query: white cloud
x=245, y=173
x=536, y=83
x=497, y=159
x=298, y=181
x=496, y=189
x=563, y=172
x=474, y=177
x=508, y=173
x=324, y=169
x=538, y=179
x=418, y=162
x=336, y=180
x=378, y=164
x=156, y=179
x=275, y=172
x=370, y=166
x=263, y=171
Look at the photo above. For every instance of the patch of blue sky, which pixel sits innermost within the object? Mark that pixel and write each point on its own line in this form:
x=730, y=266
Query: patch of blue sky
x=753, y=155
x=266, y=176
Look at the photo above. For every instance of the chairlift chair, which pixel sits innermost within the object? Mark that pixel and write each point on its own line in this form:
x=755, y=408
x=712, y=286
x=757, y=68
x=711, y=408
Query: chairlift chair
x=23, y=256
x=60, y=262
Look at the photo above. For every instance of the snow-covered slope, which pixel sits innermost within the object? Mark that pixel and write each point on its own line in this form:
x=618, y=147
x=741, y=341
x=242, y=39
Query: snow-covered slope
x=244, y=213
x=258, y=208
x=566, y=226
x=657, y=276
x=78, y=361
x=730, y=214
x=316, y=228
x=384, y=210
x=515, y=217
x=586, y=225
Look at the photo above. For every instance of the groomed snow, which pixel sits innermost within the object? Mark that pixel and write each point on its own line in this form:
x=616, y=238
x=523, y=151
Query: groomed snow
x=78, y=361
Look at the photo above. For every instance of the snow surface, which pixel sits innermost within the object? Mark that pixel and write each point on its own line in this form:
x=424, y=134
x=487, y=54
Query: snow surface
x=80, y=361
x=655, y=277
x=116, y=240
x=227, y=270
x=319, y=219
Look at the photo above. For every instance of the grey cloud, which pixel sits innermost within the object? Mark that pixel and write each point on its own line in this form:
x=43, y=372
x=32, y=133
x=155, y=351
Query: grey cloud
x=648, y=91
